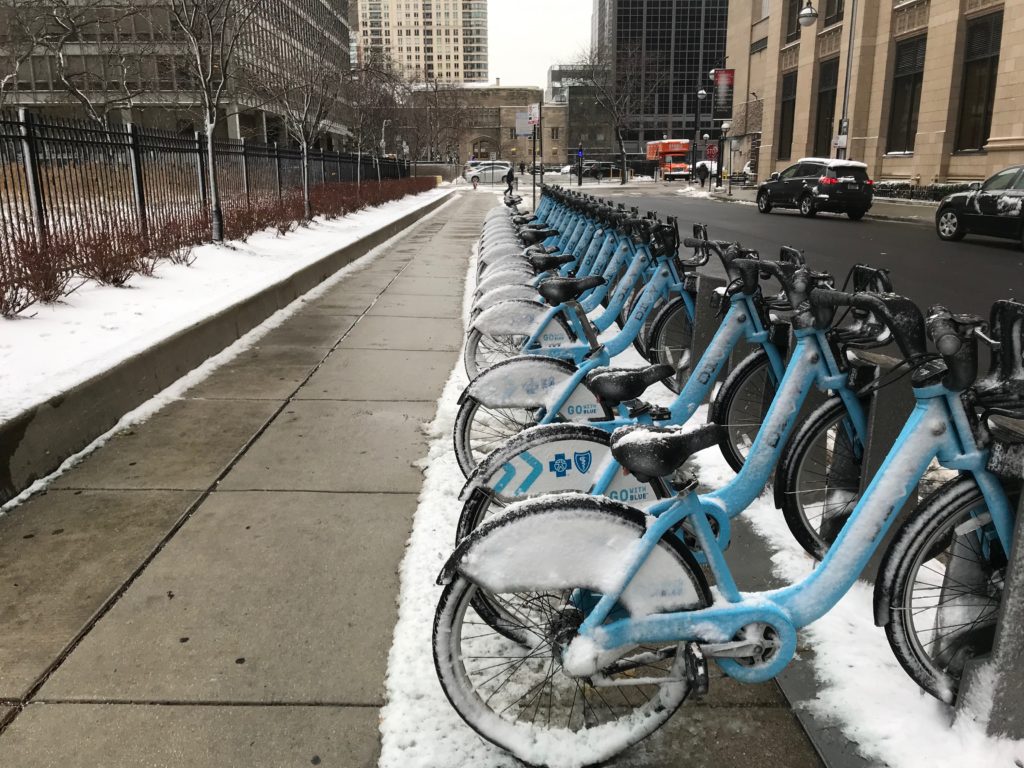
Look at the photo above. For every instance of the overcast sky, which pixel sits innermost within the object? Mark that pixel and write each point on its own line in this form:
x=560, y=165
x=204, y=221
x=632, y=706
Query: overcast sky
x=525, y=37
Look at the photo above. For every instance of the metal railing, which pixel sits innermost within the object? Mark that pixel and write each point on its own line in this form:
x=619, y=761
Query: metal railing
x=67, y=178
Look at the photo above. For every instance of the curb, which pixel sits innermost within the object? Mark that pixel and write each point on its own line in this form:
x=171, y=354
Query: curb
x=37, y=441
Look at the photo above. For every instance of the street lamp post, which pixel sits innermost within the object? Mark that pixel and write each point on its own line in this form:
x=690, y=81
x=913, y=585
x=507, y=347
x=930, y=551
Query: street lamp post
x=844, y=121
x=701, y=95
x=579, y=166
x=726, y=127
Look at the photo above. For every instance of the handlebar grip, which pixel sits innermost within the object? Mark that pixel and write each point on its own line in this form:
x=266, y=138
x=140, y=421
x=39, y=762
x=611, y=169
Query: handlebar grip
x=943, y=331
x=692, y=242
x=823, y=297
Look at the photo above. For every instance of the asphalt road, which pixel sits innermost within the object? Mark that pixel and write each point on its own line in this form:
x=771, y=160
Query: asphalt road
x=966, y=276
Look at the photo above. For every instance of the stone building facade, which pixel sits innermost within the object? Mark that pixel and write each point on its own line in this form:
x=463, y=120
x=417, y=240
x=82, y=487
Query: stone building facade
x=491, y=126
x=936, y=89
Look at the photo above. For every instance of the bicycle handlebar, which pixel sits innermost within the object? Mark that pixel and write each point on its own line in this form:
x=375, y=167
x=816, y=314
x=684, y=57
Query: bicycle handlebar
x=899, y=313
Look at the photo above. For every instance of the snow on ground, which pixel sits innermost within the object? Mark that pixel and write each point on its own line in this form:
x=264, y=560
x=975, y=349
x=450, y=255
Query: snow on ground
x=97, y=327
x=225, y=356
x=864, y=691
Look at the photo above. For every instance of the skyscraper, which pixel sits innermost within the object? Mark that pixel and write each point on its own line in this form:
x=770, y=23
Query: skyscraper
x=671, y=45
x=428, y=39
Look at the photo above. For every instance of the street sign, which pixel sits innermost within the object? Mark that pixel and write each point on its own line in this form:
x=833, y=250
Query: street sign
x=524, y=128
x=711, y=153
x=534, y=114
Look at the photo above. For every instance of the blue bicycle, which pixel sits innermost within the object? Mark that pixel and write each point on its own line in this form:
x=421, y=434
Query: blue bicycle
x=610, y=620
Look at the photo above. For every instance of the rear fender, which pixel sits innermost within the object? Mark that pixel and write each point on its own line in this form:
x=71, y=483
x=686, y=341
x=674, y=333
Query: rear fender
x=527, y=381
x=502, y=275
x=506, y=293
x=520, y=317
x=558, y=458
x=572, y=541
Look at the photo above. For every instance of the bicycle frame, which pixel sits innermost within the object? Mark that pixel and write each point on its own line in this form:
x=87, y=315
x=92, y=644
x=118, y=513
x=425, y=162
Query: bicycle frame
x=937, y=428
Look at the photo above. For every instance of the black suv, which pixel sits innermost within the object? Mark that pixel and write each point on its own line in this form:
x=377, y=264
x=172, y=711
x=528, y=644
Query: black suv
x=815, y=184
x=994, y=208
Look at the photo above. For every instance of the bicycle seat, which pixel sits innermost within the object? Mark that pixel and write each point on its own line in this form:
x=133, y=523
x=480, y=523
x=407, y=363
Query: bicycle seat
x=648, y=451
x=544, y=262
x=558, y=290
x=532, y=236
x=1007, y=427
x=616, y=385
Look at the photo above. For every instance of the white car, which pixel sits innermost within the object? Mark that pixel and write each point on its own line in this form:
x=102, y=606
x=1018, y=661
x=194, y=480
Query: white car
x=566, y=169
x=488, y=172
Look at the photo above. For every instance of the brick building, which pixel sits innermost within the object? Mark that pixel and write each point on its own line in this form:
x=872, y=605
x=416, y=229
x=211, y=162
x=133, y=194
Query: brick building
x=936, y=88
x=491, y=125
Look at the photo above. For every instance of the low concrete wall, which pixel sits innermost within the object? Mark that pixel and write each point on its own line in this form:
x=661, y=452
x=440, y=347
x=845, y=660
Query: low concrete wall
x=447, y=171
x=36, y=442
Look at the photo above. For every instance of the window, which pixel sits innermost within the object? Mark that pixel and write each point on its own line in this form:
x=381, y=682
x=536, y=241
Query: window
x=554, y=133
x=792, y=21
x=824, y=121
x=787, y=111
x=761, y=9
x=908, y=72
x=1002, y=180
x=833, y=12
x=512, y=134
x=981, y=60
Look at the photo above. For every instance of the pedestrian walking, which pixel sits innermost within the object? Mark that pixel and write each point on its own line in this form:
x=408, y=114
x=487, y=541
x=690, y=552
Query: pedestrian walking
x=702, y=174
x=511, y=179
x=522, y=168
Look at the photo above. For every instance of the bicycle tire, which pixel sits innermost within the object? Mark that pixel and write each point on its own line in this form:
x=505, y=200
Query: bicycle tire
x=481, y=351
x=670, y=339
x=841, y=472
x=468, y=451
x=740, y=411
x=923, y=538
x=453, y=640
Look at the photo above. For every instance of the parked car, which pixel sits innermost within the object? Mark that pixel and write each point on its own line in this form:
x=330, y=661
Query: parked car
x=488, y=172
x=814, y=184
x=994, y=208
x=566, y=169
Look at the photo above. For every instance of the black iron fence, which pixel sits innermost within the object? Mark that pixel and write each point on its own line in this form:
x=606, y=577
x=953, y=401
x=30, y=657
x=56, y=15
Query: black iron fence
x=62, y=178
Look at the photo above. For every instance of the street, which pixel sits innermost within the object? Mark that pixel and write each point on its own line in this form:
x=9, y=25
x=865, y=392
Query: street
x=966, y=276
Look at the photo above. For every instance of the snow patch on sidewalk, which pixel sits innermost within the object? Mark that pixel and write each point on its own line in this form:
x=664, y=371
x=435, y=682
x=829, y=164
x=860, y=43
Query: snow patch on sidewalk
x=94, y=329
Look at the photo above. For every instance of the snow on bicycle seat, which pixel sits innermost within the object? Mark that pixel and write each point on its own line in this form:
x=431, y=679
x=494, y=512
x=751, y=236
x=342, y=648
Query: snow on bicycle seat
x=648, y=451
x=542, y=262
x=617, y=385
x=558, y=290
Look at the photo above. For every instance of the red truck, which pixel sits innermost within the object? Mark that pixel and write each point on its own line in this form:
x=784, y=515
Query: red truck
x=673, y=157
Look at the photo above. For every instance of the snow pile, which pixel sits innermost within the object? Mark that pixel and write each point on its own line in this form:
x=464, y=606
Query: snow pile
x=98, y=327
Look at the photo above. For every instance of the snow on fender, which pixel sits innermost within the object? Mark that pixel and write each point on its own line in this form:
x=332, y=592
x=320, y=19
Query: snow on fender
x=528, y=381
x=571, y=540
x=515, y=317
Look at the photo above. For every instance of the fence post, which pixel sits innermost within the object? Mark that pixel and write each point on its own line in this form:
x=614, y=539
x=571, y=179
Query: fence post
x=245, y=170
x=30, y=157
x=323, y=167
x=201, y=169
x=337, y=160
x=277, y=169
x=138, y=188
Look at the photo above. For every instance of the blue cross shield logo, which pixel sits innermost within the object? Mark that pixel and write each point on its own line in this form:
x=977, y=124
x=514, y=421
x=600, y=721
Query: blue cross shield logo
x=560, y=465
x=583, y=461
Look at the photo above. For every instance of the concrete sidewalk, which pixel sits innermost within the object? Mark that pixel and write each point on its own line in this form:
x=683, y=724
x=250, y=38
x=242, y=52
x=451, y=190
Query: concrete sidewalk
x=216, y=587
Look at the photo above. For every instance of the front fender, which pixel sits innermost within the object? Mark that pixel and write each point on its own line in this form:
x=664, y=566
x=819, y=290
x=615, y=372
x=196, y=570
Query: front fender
x=571, y=540
x=506, y=293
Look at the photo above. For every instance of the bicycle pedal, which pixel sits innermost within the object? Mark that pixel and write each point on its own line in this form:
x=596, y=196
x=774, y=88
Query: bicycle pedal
x=696, y=670
x=637, y=408
x=659, y=414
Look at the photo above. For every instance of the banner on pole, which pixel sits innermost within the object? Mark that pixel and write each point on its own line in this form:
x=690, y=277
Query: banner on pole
x=534, y=114
x=724, y=80
x=524, y=128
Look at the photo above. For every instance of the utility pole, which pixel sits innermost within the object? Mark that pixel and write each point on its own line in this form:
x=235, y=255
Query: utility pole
x=844, y=121
x=579, y=166
x=540, y=130
x=533, y=170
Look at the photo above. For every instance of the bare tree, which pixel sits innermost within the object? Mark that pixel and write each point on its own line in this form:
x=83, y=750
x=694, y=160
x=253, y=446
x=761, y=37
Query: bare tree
x=306, y=90
x=110, y=76
x=435, y=114
x=24, y=21
x=213, y=32
x=620, y=90
x=373, y=94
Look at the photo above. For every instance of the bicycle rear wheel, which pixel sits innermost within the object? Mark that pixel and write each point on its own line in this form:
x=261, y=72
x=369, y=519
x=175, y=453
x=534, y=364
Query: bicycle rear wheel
x=515, y=693
x=943, y=575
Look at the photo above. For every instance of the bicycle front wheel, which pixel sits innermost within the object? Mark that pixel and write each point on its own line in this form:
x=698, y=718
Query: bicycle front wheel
x=479, y=429
x=483, y=351
x=819, y=477
x=516, y=693
x=670, y=339
x=741, y=404
x=943, y=575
